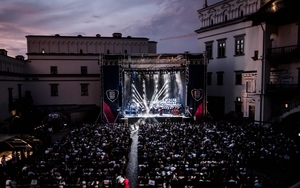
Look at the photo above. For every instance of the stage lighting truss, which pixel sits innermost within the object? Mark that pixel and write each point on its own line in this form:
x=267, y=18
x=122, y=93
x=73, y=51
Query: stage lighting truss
x=155, y=70
x=187, y=79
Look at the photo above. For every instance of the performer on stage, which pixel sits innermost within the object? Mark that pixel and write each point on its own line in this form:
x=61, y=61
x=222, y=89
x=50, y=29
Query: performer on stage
x=175, y=111
x=160, y=111
x=152, y=110
x=187, y=112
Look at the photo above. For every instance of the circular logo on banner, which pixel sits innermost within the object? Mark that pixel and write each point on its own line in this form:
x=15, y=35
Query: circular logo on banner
x=197, y=94
x=112, y=95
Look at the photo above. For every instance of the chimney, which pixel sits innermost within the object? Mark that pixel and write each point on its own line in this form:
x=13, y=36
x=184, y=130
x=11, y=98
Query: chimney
x=20, y=57
x=117, y=35
x=3, y=52
x=205, y=4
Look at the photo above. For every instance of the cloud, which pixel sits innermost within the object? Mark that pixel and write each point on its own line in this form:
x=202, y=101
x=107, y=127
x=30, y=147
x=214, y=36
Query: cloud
x=154, y=19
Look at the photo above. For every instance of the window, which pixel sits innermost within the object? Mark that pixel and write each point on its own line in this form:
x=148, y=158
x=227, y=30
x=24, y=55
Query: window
x=220, y=78
x=238, y=78
x=221, y=48
x=250, y=86
x=225, y=18
x=241, y=13
x=84, y=90
x=83, y=69
x=209, y=49
x=20, y=90
x=53, y=69
x=54, y=89
x=125, y=51
x=208, y=81
x=239, y=45
x=107, y=51
x=43, y=51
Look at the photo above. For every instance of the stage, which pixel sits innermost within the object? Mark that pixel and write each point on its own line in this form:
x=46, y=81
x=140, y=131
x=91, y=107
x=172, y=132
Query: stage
x=154, y=118
x=171, y=84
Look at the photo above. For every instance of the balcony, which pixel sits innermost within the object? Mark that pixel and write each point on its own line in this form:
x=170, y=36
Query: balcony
x=283, y=55
x=283, y=88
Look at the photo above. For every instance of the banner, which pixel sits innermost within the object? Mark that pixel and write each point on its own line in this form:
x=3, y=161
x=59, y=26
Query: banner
x=111, y=92
x=196, y=93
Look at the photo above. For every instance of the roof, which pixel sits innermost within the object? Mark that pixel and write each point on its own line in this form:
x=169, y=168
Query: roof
x=4, y=137
x=11, y=142
x=86, y=37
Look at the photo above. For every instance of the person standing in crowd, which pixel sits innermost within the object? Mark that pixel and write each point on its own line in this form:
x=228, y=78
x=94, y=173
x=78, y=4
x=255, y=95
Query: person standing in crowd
x=120, y=180
x=3, y=161
x=115, y=181
x=126, y=182
x=27, y=149
x=4, y=164
x=61, y=183
x=13, y=183
x=258, y=184
x=14, y=158
x=8, y=183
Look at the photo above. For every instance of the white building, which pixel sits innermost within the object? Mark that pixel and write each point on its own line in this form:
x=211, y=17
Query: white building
x=62, y=71
x=244, y=41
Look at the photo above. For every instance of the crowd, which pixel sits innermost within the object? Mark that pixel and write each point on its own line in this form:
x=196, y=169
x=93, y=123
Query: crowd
x=218, y=153
x=89, y=156
x=170, y=154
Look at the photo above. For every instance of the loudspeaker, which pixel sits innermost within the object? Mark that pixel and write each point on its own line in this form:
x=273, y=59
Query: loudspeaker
x=120, y=95
x=188, y=92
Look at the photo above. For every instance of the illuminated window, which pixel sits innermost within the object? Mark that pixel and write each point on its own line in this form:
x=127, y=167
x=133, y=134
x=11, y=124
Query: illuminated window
x=43, y=51
x=239, y=45
x=222, y=48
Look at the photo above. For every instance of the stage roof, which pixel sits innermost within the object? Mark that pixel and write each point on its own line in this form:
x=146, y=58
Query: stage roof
x=150, y=61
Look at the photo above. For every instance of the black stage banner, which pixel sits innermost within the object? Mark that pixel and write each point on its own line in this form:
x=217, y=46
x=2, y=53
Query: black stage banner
x=196, y=93
x=111, y=92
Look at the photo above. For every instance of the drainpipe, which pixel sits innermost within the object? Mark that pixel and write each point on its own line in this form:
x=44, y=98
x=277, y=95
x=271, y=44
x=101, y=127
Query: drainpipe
x=262, y=92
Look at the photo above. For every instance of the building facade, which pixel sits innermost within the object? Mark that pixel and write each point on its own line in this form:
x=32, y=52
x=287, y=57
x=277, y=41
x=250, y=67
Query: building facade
x=62, y=71
x=245, y=42
x=12, y=83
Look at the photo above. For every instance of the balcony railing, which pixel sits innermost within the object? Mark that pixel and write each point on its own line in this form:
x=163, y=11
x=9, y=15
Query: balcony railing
x=283, y=50
x=283, y=87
